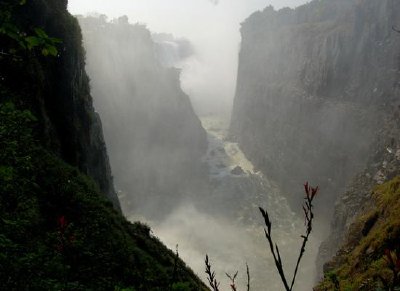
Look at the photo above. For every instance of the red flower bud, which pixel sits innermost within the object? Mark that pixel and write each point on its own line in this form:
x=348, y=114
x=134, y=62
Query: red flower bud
x=307, y=188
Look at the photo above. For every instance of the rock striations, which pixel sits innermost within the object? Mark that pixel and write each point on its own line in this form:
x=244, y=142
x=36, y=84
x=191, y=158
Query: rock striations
x=316, y=99
x=155, y=139
x=312, y=86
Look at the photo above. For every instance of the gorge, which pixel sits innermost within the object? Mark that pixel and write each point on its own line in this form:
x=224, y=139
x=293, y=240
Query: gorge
x=191, y=151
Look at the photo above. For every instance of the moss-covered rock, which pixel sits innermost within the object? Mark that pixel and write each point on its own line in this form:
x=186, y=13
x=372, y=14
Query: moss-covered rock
x=363, y=263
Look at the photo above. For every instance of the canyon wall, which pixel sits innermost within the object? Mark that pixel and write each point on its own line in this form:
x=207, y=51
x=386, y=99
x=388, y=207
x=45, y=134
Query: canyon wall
x=316, y=100
x=61, y=95
x=155, y=139
x=313, y=86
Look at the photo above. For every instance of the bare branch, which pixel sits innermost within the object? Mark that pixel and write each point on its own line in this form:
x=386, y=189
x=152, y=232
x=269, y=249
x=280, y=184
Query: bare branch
x=310, y=194
x=211, y=276
x=268, y=235
x=248, y=277
x=232, y=279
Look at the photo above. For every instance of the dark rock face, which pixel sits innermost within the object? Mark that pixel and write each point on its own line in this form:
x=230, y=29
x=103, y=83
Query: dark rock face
x=312, y=84
x=237, y=171
x=316, y=86
x=382, y=166
x=155, y=139
x=57, y=89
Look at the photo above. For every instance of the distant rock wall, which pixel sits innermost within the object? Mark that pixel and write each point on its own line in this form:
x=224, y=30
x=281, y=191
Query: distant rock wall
x=154, y=137
x=316, y=94
x=312, y=87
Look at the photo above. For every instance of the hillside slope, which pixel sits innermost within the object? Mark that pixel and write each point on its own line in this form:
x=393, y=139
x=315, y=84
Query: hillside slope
x=60, y=224
x=370, y=255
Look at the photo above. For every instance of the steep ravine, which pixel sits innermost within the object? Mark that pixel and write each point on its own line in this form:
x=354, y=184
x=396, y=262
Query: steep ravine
x=198, y=192
x=224, y=222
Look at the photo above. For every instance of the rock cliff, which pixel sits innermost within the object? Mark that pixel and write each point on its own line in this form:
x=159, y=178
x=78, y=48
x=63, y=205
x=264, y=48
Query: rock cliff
x=59, y=94
x=366, y=212
x=313, y=85
x=316, y=99
x=60, y=224
x=155, y=139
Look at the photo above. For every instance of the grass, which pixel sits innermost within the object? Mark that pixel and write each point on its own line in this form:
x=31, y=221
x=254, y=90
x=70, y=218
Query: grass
x=362, y=264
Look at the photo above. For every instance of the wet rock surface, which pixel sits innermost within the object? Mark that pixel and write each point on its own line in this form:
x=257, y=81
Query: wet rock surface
x=237, y=171
x=317, y=86
x=382, y=166
x=311, y=91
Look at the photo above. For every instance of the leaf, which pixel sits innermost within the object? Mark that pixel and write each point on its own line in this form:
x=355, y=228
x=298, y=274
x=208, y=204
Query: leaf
x=41, y=33
x=55, y=40
x=33, y=41
x=45, y=52
x=10, y=222
x=52, y=50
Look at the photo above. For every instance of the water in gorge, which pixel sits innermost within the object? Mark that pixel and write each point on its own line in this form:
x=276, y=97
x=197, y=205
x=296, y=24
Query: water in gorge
x=226, y=223
x=183, y=176
x=143, y=142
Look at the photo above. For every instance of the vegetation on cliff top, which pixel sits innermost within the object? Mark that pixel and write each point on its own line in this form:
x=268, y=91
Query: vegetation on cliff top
x=370, y=260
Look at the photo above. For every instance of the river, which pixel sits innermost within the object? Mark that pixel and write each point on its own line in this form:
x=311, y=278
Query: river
x=225, y=223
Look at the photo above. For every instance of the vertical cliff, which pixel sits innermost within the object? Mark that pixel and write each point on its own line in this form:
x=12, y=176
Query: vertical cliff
x=57, y=90
x=317, y=99
x=60, y=224
x=155, y=139
x=314, y=84
x=365, y=223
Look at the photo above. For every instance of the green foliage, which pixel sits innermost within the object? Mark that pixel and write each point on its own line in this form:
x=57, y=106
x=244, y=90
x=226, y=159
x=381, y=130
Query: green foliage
x=43, y=41
x=181, y=287
x=58, y=233
x=57, y=230
x=363, y=262
x=39, y=40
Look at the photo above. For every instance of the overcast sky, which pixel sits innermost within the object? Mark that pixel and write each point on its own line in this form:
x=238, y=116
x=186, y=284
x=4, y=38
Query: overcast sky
x=211, y=25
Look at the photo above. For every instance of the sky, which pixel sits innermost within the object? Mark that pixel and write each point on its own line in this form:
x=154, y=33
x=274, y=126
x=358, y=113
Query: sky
x=212, y=26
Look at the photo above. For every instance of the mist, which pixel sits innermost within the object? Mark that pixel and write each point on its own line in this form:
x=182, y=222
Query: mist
x=163, y=79
x=212, y=27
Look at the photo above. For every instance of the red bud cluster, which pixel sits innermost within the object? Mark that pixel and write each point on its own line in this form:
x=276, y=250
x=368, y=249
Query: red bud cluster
x=310, y=191
x=63, y=238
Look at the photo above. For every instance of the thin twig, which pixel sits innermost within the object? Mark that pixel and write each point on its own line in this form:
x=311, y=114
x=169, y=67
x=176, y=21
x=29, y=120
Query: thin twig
x=310, y=194
x=308, y=218
x=268, y=235
x=211, y=276
x=248, y=277
x=232, y=279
